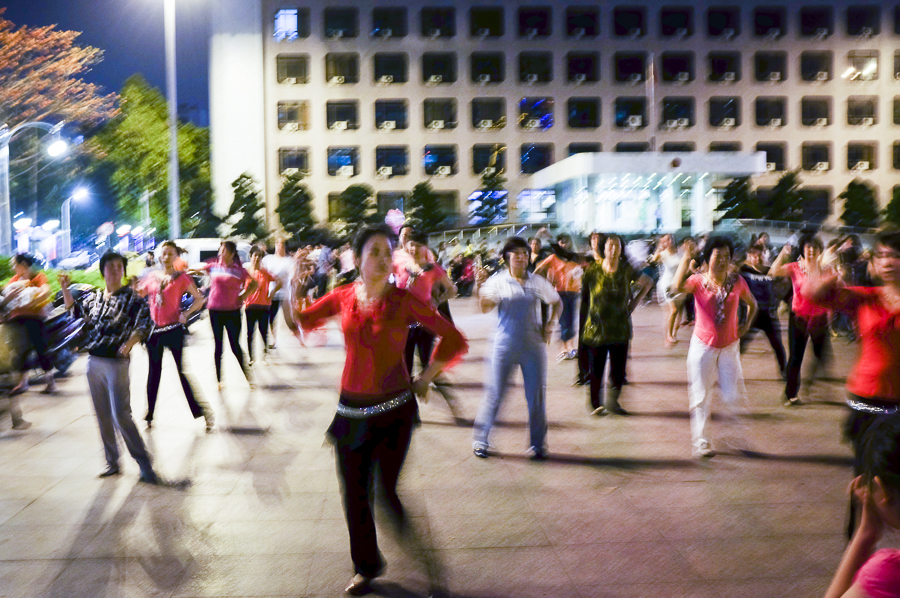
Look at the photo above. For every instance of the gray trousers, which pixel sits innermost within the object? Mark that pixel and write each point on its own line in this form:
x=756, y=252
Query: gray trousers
x=111, y=393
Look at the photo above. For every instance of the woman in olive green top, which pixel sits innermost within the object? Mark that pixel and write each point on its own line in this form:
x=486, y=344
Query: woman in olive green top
x=609, y=288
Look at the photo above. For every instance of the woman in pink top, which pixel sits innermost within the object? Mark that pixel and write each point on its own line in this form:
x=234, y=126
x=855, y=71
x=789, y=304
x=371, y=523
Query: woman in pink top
x=164, y=289
x=257, y=305
x=714, y=353
x=808, y=321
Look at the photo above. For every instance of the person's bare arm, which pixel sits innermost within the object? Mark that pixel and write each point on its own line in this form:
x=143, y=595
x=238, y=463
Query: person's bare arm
x=252, y=285
x=778, y=268
x=644, y=284
x=752, y=307
x=197, y=305
x=861, y=546
x=449, y=289
x=684, y=268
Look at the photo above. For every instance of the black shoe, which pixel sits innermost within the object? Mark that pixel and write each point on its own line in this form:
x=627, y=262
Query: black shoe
x=109, y=472
x=480, y=452
x=149, y=477
x=538, y=455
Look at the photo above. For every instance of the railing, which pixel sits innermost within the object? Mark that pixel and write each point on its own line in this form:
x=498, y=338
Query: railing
x=491, y=232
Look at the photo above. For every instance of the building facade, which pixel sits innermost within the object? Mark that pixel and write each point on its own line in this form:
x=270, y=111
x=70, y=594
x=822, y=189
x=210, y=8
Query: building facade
x=391, y=93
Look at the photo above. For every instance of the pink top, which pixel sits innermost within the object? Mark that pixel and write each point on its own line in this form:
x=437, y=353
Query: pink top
x=260, y=296
x=705, y=327
x=225, y=285
x=879, y=577
x=422, y=284
x=801, y=304
x=164, y=296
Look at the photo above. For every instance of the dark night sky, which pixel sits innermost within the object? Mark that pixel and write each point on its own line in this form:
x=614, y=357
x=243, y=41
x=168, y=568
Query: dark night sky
x=131, y=34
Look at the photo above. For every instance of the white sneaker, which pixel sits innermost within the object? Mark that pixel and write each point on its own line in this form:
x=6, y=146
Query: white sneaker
x=702, y=450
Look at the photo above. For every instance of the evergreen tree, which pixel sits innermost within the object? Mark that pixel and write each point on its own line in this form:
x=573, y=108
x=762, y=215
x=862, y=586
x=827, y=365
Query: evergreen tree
x=493, y=204
x=295, y=206
x=357, y=207
x=784, y=202
x=739, y=201
x=860, y=206
x=892, y=210
x=246, y=206
x=424, y=206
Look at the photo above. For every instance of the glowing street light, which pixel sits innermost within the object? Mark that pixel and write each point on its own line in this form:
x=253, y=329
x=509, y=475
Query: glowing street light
x=22, y=224
x=78, y=194
x=123, y=230
x=50, y=225
x=172, y=98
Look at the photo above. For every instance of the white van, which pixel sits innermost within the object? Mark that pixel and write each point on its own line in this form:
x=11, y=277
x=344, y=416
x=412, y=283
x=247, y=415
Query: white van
x=202, y=250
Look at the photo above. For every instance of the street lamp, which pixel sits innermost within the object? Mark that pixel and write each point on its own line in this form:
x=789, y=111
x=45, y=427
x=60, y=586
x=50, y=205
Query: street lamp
x=6, y=135
x=78, y=194
x=172, y=97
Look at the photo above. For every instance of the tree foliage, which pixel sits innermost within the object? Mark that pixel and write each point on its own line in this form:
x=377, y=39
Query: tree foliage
x=246, y=206
x=892, y=210
x=357, y=207
x=739, y=200
x=135, y=148
x=785, y=202
x=424, y=206
x=492, y=202
x=295, y=206
x=860, y=205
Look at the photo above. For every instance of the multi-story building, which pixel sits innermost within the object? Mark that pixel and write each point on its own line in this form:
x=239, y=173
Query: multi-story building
x=392, y=93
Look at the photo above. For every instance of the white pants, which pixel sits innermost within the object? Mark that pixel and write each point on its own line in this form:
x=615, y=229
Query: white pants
x=705, y=365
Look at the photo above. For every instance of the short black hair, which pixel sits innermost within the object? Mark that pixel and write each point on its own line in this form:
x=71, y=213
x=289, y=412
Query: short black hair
x=889, y=237
x=230, y=246
x=880, y=453
x=256, y=249
x=108, y=257
x=512, y=244
x=23, y=258
x=809, y=238
x=713, y=243
x=366, y=233
x=601, y=247
x=564, y=237
x=419, y=237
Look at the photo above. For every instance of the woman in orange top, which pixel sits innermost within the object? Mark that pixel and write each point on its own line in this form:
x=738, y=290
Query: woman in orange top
x=27, y=297
x=563, y=271
x=257, y=304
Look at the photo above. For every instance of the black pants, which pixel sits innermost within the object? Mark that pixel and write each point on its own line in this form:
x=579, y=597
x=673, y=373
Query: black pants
x=37, y=336
x=800, y=331
x=768, y=323
x=420, y=340
x=157, y=343
x=273, y=311
x=226, y=321
x=618, y=357
x=257, y=319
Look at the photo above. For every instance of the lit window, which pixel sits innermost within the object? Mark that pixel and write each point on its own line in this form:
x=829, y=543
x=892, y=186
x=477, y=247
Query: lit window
x=488, y=155
x=863, y=65
x=286, y=25
x=440, y=160
x=343, y=161
x=536, y=114
x=536, y=205
x=341, y=68
x=535, y=156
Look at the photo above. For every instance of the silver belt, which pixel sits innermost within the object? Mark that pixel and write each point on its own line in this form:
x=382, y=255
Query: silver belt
x=869, y=408
x=364, y=412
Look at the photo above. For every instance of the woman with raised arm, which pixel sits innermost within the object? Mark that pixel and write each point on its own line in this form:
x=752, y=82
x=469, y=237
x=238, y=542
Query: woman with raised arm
x=808, y=320
x=28, y=297
x=377, y=409
x=714, y=354
x=667, y=259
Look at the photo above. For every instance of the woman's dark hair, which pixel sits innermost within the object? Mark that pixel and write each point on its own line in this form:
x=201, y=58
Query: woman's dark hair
x=23, y=258
x=713, y=243
x=417, y=236
x=366, y=233
x=880, y=453
x=889, y=237
x=231, y=247
x=809, y=238
x=257, y=250
x=602, y=244
x=172, y=245
x=564, y=237
x=108, y=257
x=512, y=244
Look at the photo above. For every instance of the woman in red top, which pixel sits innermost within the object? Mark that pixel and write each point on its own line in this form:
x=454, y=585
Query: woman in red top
x=377, y=410
x=257, y=304
x=808, y=321
x=164, y=290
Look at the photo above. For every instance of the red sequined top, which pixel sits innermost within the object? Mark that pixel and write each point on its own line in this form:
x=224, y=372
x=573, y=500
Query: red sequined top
x=375, y=337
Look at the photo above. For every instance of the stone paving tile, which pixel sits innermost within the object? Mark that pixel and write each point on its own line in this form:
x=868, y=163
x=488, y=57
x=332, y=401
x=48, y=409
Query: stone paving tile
x=28, y=578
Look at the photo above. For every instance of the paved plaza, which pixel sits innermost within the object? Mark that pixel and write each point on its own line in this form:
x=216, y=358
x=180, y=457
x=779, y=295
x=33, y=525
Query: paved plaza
x=618, y=509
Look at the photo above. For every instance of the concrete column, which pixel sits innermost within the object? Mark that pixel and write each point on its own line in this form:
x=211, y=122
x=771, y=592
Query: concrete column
x=701, y=212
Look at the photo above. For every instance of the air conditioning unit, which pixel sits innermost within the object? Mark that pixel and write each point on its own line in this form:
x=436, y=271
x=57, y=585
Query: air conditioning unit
x=532, y=124
x=336, y=33
x=774, y=33
x=433, y=33
x=485, y=124
x=386, y=79
x=727, y=33
x=866, y=32
x=727, y=122
x=531, y=78
x=436, y=125
x=484, y=78
x=338, y=125
x=346, y=171
x=578, y=32
x=729, y=76
x=435, y=80
x=822, y=76
x=868, y=121
x=634, y=121
x=683, y=77
x=636, y=32
x=483, y=32
x=443, y=171
x=775, y=122
x=291, y=127
x=821, y=33
x=671, y=123
x=771, y=166
x=289, y=81
x=861, y=165
x=683, y=123
x=489, y=170
x=337, y=80
x=385, y=171
x=579, y=78
x=635, y=78
x=821, y=122
x=821, y=166
x=386, y=33
x=681, y=32
x=290, y=171
x=774, y=77
x=388, y=125
x=531, y=32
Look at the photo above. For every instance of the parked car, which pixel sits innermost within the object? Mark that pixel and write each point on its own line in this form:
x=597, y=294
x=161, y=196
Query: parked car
x=79, y=260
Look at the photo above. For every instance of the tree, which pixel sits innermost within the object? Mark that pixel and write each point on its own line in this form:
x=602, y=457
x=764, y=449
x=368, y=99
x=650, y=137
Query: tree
x=784, y=201
x=892, y=210
x=739, y=201
x=357, y=206
x=492, y=199
x=134, y=148
x=295, y=206
x=860, y=205
x=246, y=206
x=424, y=206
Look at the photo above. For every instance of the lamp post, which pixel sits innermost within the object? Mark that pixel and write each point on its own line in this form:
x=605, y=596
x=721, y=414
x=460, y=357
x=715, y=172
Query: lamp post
x=66, y=219
x=172, y=98
x=6, y=135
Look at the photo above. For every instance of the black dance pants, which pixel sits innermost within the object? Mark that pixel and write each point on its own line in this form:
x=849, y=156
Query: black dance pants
x=157, y=343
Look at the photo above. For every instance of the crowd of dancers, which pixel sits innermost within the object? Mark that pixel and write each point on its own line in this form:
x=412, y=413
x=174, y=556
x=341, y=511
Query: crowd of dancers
x=390, y=294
